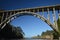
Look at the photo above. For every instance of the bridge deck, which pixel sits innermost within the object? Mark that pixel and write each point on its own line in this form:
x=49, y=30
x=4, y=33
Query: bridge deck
x=57, y=7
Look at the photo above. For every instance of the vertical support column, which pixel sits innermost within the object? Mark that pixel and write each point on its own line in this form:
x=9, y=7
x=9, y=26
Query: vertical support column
x=38, y=10
x=14, y=12
x=42, y=12
x=38, y=13
x=54, y=19
x=29, y=10
x=6, y=15
x=48, y=15
x=25, y=11
x=14, y=16
x=2, y=17
x=34, y=10
x=10, y=15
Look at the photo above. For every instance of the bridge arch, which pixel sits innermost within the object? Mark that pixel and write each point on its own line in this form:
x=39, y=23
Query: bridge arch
x=18, y=14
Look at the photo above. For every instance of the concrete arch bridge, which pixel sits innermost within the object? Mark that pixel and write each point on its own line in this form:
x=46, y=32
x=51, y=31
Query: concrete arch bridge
x=7, y=16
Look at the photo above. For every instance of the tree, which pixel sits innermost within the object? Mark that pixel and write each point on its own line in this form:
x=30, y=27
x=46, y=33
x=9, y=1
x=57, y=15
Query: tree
x=58, y=23
x=18, y=31
x=50, y=32
x=11, y=32
x=38, y=36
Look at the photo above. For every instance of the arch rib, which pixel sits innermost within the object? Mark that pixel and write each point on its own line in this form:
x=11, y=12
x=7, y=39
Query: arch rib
x=27, y=13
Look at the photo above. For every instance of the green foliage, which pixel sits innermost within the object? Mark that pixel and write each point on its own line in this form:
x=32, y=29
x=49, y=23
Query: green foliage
x=58, y=23
x=55, y=35
x=11, y=32
x=51, y=32
x=18, y=31
x=47, y=32
x=38, y=36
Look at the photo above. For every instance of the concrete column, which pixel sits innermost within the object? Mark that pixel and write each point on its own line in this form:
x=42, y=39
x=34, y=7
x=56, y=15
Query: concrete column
x=24, y=11
x=38, y=11
x=10, y=13
x=2, y=17
x=29, y=10
x=48, y=15
x=42, y=12
x=54, y=19
x=6, y=15
x=14, y=12
x=9, y=16
x=33, y=10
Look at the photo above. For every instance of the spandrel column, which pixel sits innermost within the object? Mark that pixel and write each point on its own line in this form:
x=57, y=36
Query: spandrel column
x=2, y=17
x=54, y=19
x=43, y=12
x=48, y=15
x=6, y=15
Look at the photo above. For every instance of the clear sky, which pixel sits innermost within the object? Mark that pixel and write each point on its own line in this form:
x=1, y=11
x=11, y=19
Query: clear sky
x=30, y=25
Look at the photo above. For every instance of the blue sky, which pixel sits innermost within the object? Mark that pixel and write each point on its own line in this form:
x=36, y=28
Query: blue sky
x=16, y=4
x=30, y=25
